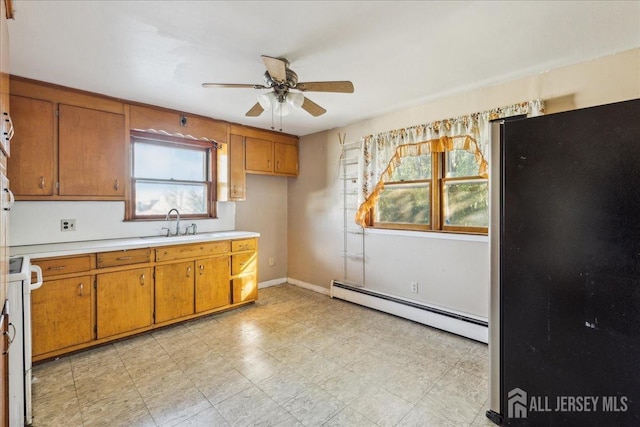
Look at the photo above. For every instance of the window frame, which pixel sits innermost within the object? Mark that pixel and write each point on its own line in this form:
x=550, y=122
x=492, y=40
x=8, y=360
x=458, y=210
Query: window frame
x=210, y=150
x=437, y=189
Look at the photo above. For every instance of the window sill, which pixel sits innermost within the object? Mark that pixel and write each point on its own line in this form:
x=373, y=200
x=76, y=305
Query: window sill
x=441, y=235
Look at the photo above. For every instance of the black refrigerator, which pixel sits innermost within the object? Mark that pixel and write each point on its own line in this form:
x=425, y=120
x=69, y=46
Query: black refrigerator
x=565, y=268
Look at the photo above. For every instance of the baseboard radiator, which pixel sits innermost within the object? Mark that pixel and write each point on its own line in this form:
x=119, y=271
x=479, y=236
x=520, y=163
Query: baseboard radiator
x=456, y=323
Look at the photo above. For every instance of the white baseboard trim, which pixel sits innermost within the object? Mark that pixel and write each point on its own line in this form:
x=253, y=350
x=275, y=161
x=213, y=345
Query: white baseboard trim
x=309, y=286
x=450, y=322
x=273, y=282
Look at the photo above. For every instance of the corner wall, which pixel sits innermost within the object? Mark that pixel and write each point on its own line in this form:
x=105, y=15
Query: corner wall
x=452, y=272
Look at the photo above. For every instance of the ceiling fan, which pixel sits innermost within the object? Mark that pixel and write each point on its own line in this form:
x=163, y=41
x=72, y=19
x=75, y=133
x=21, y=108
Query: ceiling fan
x=282, y=79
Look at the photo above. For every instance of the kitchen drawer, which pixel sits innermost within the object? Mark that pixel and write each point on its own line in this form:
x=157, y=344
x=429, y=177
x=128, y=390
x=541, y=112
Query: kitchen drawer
x=191, y=251
x=124, y=257
x=64, y=265
x=243, y=245
x=245, y=289
x=243, y=263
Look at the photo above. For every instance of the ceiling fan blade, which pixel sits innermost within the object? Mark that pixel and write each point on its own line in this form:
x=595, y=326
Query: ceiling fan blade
x=312, y=108
x=255, y=111
x=276, y=67
x=343, y=87
x=234, y=85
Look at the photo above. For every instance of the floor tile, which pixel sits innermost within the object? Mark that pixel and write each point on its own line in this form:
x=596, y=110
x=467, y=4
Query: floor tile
x=294, y=358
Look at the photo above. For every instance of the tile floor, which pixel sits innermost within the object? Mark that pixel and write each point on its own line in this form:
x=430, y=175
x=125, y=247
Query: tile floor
x=294, y=358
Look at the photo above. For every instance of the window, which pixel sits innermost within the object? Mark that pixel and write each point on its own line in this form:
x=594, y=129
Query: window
x=435, y=191
x=171, y=173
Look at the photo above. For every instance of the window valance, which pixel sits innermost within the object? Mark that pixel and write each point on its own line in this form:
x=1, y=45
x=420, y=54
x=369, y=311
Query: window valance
x=383, y=152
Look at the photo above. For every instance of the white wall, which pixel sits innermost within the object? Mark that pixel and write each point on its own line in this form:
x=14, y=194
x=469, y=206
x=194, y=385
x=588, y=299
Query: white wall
x=39, y=222
x=451, y=273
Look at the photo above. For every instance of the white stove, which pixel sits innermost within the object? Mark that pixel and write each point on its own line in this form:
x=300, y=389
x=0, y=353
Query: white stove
x=19, y=296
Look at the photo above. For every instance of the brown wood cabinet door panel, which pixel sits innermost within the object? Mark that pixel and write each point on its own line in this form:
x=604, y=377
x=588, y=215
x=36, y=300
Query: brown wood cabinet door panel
x=237, y=176
x=243, y=263
x=286, y=158
x=191, y=251
x=212, y=283
x=258, y=155
x=125, y=257
x=91, y=152
x=64, y=265
x=243, y=245
x=123, y=301
x=174, y=291
x=245, y=289
x=61, y=314
x=31, y=165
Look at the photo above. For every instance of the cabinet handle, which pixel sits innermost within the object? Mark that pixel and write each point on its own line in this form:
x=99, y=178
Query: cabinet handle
x=278, y=165
x=142, y=280
x=269, y=164
x=11, y=338
x=201, y=267
x=42, y=182
x=116, y=185
x=123, y=258
x=80, y=290
x=188, y=271
x=12, y=199
x=57, y=267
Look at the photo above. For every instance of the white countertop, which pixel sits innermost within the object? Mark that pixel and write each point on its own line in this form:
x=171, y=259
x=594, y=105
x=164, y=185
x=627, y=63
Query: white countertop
x=92, y=246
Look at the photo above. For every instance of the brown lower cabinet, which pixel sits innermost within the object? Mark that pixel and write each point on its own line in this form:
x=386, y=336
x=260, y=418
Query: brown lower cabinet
x=212, y=283
x=175, y=291
x=124, y=301
x=90, y=299
x=61, y=314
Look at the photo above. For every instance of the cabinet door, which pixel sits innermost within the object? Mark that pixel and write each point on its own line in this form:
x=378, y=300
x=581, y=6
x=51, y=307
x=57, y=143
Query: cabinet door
x=286, y=158
x=244, y=263
x=4, y=233
x=31, y=166
x=61, y=314
x=174, y=290
x=212, y=283
x=245, y=288
x=124, y=301
x=258, y=155
x=91, y=152
x=237, y=177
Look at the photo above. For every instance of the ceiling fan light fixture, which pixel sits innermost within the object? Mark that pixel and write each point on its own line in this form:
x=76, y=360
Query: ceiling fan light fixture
x=295, y=99
x=281, y=109
x=266, y=100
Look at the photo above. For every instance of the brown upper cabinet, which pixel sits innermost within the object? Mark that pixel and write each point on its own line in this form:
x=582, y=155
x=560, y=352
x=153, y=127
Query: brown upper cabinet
x=68, y=145
x=267, y=152
x=31, y=169
x=152, y=119
x=91, y=152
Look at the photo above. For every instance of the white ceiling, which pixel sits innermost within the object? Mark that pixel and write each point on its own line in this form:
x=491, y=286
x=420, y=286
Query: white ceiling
x=397, y=54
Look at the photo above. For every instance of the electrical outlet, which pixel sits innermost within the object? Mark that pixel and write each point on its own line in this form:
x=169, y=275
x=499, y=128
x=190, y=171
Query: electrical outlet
x=272, y=261
x=67, y=225
x=414, y=287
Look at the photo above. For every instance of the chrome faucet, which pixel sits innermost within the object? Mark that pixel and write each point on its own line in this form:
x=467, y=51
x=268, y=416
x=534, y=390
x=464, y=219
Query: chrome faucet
x=177, y=233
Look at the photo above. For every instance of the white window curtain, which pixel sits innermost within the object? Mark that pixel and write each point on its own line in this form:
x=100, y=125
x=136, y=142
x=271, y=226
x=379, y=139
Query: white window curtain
x=382, y=152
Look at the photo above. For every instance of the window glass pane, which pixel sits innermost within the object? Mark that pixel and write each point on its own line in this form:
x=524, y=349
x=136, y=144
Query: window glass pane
x=413, y=168
x=404, y=204
x=461, y=163
x=153, y=161
x=466, y=203
x=158, y=198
